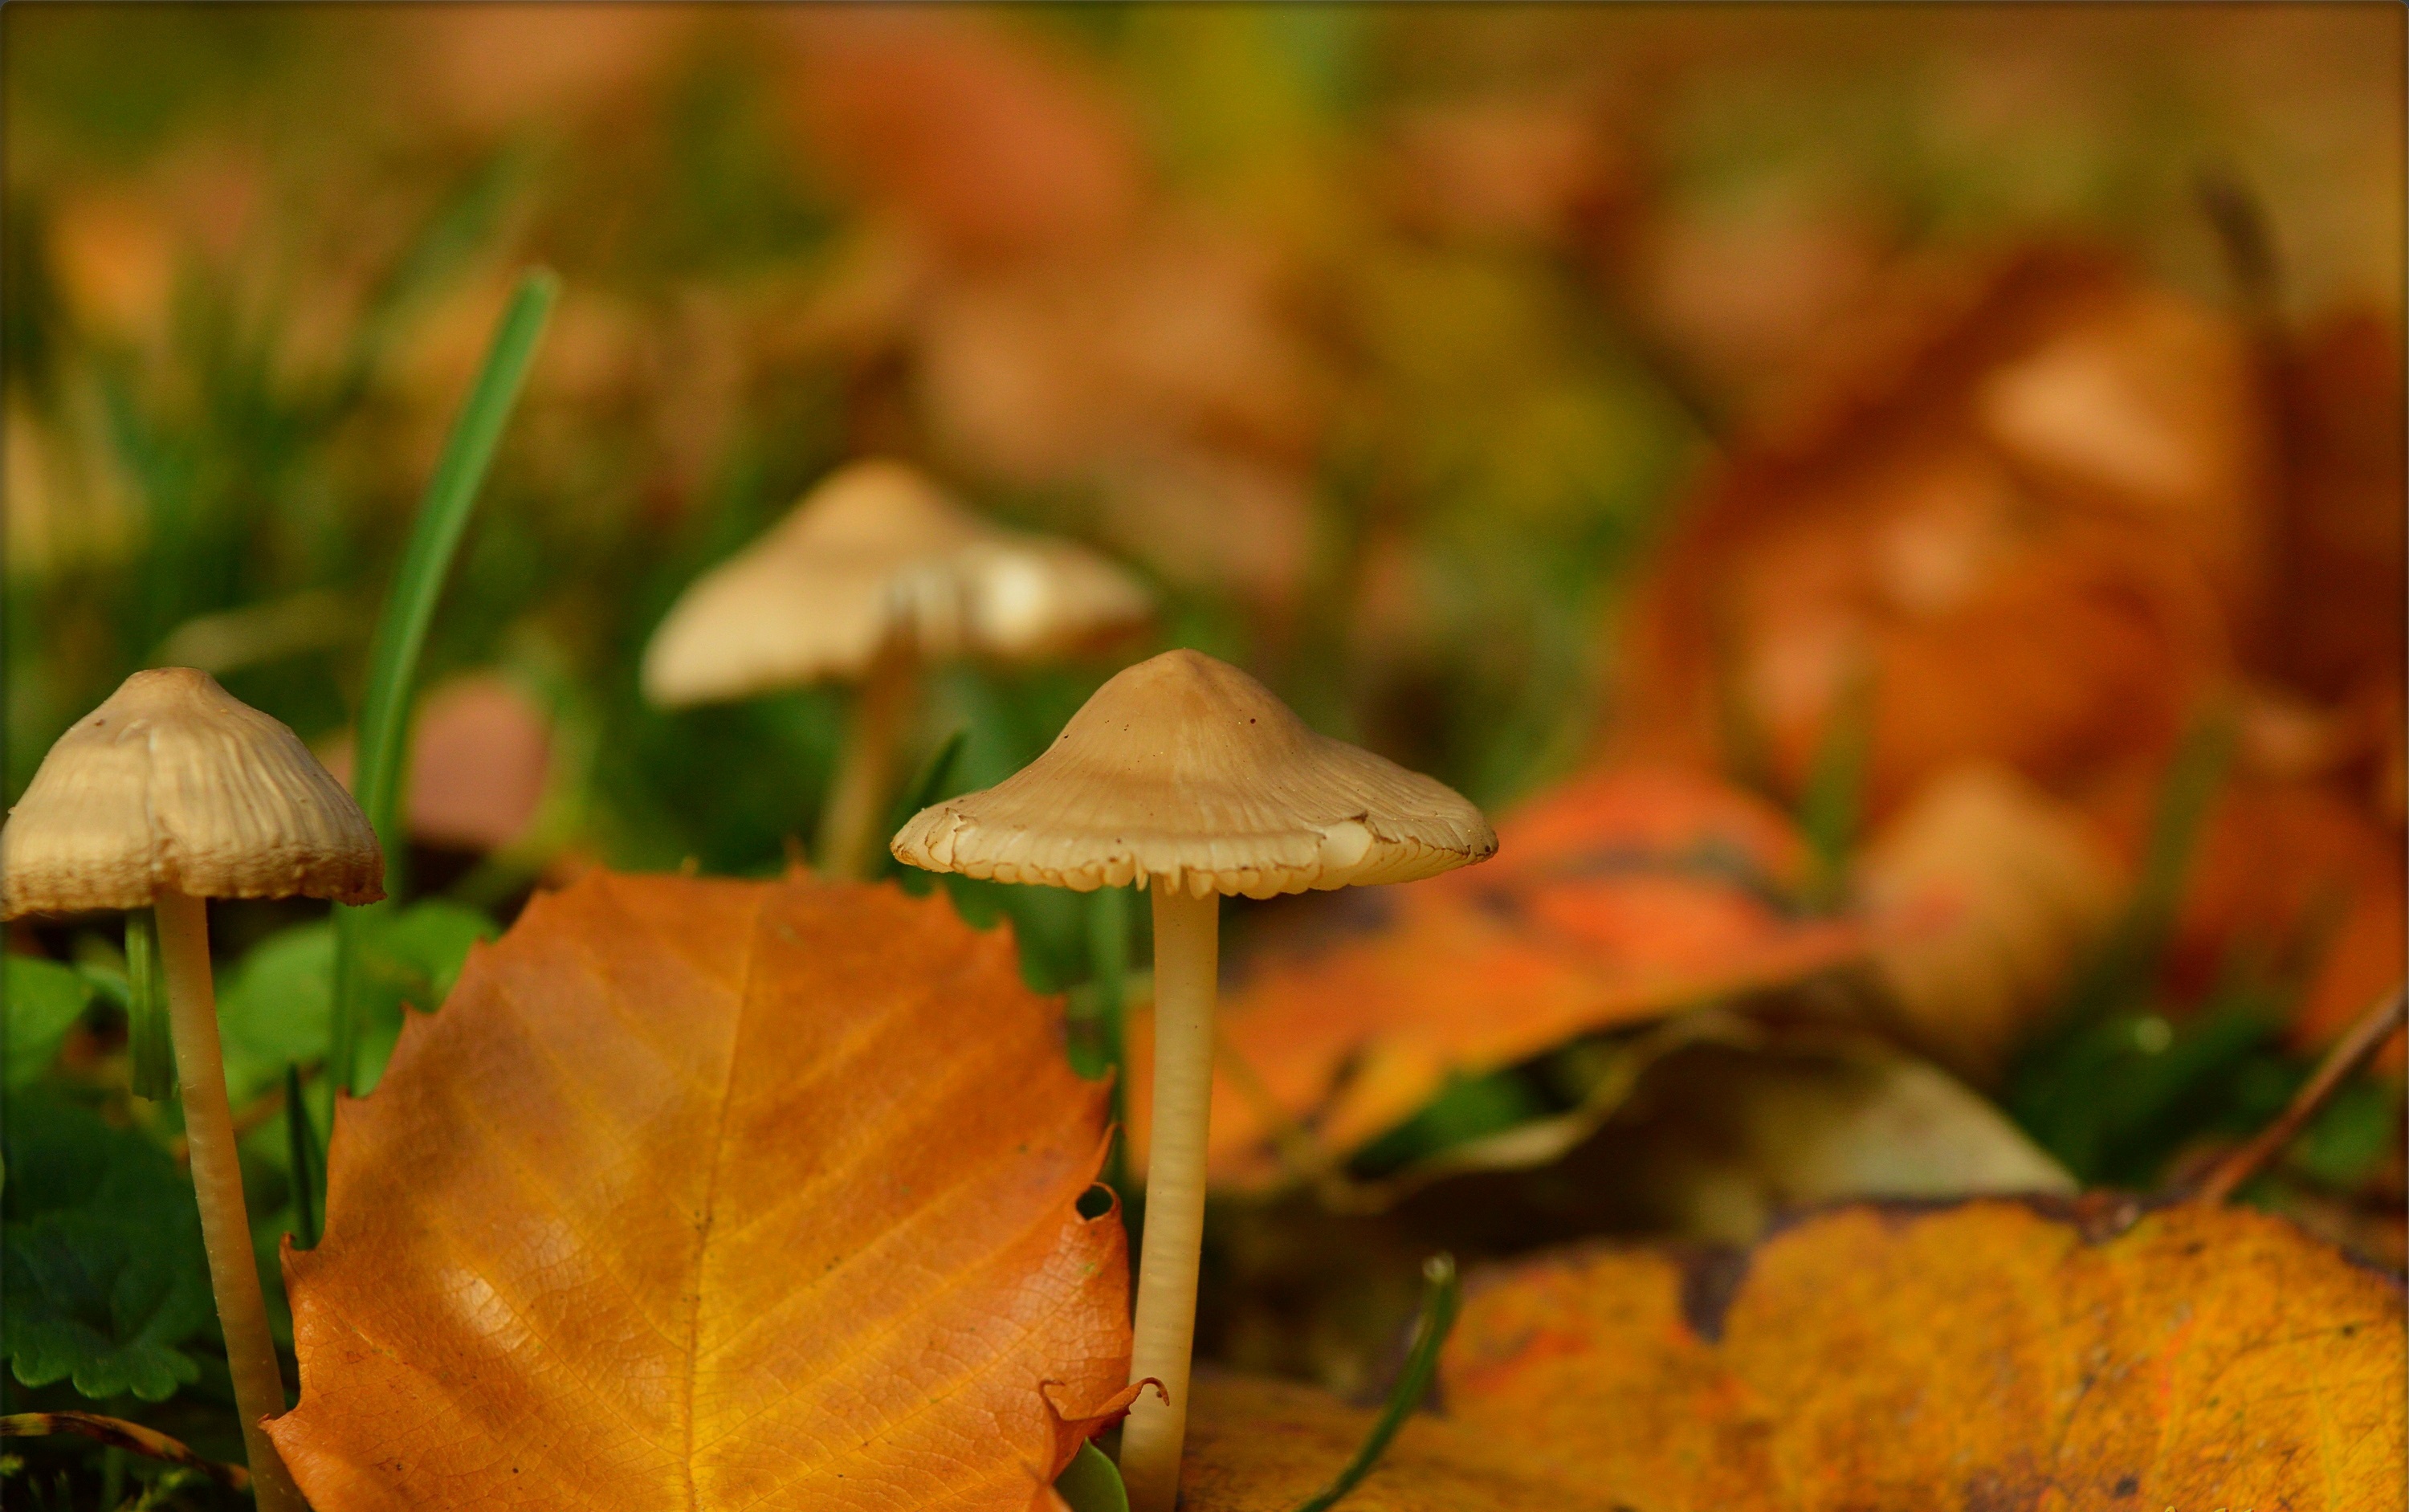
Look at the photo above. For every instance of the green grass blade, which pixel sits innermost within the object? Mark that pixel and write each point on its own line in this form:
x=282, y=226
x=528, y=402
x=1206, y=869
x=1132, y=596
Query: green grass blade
x=147, y=1041
x=1442, y=1294
x=442, y=518
x=308, y=1159
x=2130, y=958
x=925, y=787
x=410, y=608
x=1833, y=803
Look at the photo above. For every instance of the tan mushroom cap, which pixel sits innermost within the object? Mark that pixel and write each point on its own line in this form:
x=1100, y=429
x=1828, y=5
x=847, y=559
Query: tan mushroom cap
x=876, y=551
x=176, y=783
x=1185, y=773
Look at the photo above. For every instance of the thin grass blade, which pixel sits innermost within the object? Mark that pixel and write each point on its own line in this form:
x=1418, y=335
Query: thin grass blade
x=408, y=609
x=146, y=1011
x=308, y=1156
x=927, y=787
x=1442, y=1295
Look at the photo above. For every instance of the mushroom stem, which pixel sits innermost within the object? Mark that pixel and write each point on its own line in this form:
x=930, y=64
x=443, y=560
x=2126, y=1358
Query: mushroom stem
x=216, y=1182
x=853, y=825
x=1187, y=957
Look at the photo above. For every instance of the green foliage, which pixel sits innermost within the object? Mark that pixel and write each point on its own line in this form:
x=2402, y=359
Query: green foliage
x=107, y=1282
x=1092, y=1483
x=1466, y=1109
x=2118, y=1082
x=275, y=1008
x=44, y=1000
x=2114, y=1101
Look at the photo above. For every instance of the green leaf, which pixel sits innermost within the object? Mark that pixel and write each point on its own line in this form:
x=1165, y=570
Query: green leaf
x=102, y=1246
x=1092, y=1483
x=45, y=1000
x=1467, y=1108
x=89, y=1302
x=276, y=1008
x=2347, y=1141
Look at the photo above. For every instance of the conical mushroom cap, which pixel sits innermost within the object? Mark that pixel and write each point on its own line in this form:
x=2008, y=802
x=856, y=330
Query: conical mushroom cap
x=1185, y=773
x=176, y=783
x=878, y=551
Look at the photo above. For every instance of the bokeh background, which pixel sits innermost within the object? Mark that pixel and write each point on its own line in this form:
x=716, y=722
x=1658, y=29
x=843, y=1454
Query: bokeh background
x=1856, y=409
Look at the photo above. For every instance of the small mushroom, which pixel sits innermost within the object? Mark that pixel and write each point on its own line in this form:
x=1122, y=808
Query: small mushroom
x=1188, y=777
x=172, y=792
x=875, y=574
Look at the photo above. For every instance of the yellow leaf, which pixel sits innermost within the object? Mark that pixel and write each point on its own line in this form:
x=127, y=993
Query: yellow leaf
x=1616, y=899
x=1993, y=1354
x=705, y=1194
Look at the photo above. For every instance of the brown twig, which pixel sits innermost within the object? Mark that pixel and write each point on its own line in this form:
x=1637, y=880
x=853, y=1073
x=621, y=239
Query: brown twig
x=118, y=1433
x=2350, y=1053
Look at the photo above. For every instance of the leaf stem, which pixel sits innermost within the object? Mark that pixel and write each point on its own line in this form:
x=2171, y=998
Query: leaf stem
x=1442, y=1294
x=2350, y=1053
x=119, y=1435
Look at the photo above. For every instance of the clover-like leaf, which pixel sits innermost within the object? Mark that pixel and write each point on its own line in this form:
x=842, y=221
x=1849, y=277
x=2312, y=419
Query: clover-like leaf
x=42, y=1001
x=102, y=1254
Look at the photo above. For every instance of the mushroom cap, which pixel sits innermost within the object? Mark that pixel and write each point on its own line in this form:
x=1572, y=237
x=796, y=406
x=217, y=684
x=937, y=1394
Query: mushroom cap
x=876, y=551
x=176, y=783
x=1185, y=773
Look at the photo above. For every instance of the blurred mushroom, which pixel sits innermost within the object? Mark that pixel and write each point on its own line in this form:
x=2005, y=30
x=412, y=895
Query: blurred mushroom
x=172, y=792
x=874, y=574
x=1184, y=775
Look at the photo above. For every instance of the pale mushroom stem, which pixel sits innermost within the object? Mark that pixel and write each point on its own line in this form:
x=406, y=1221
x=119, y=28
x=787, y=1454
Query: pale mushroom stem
x=853, y=823
x=1187, y=962
x=217, y=1180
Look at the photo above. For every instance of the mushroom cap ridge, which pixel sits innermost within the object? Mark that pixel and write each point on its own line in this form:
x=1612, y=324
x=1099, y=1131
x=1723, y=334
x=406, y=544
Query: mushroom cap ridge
x=175, y=782
x=1183, y=771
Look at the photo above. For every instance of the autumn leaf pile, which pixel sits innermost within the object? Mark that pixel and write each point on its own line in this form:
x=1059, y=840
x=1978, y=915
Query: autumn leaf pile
x=690, y=1194
x=1894, y=514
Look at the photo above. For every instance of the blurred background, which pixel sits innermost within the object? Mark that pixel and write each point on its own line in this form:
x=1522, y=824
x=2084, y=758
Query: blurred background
x=1956, y=450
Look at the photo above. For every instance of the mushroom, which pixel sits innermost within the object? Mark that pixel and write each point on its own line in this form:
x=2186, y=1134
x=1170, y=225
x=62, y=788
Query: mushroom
x=172, y=792
x=1191, y=779
x=874, y=574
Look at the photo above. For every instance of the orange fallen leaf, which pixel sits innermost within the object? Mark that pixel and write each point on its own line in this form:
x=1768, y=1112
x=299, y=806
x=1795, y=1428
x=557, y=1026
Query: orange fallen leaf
x=1994, y=1354
x=1616, y=899
x=714, y=1195
x=2031, y=514
x=2336, y=624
